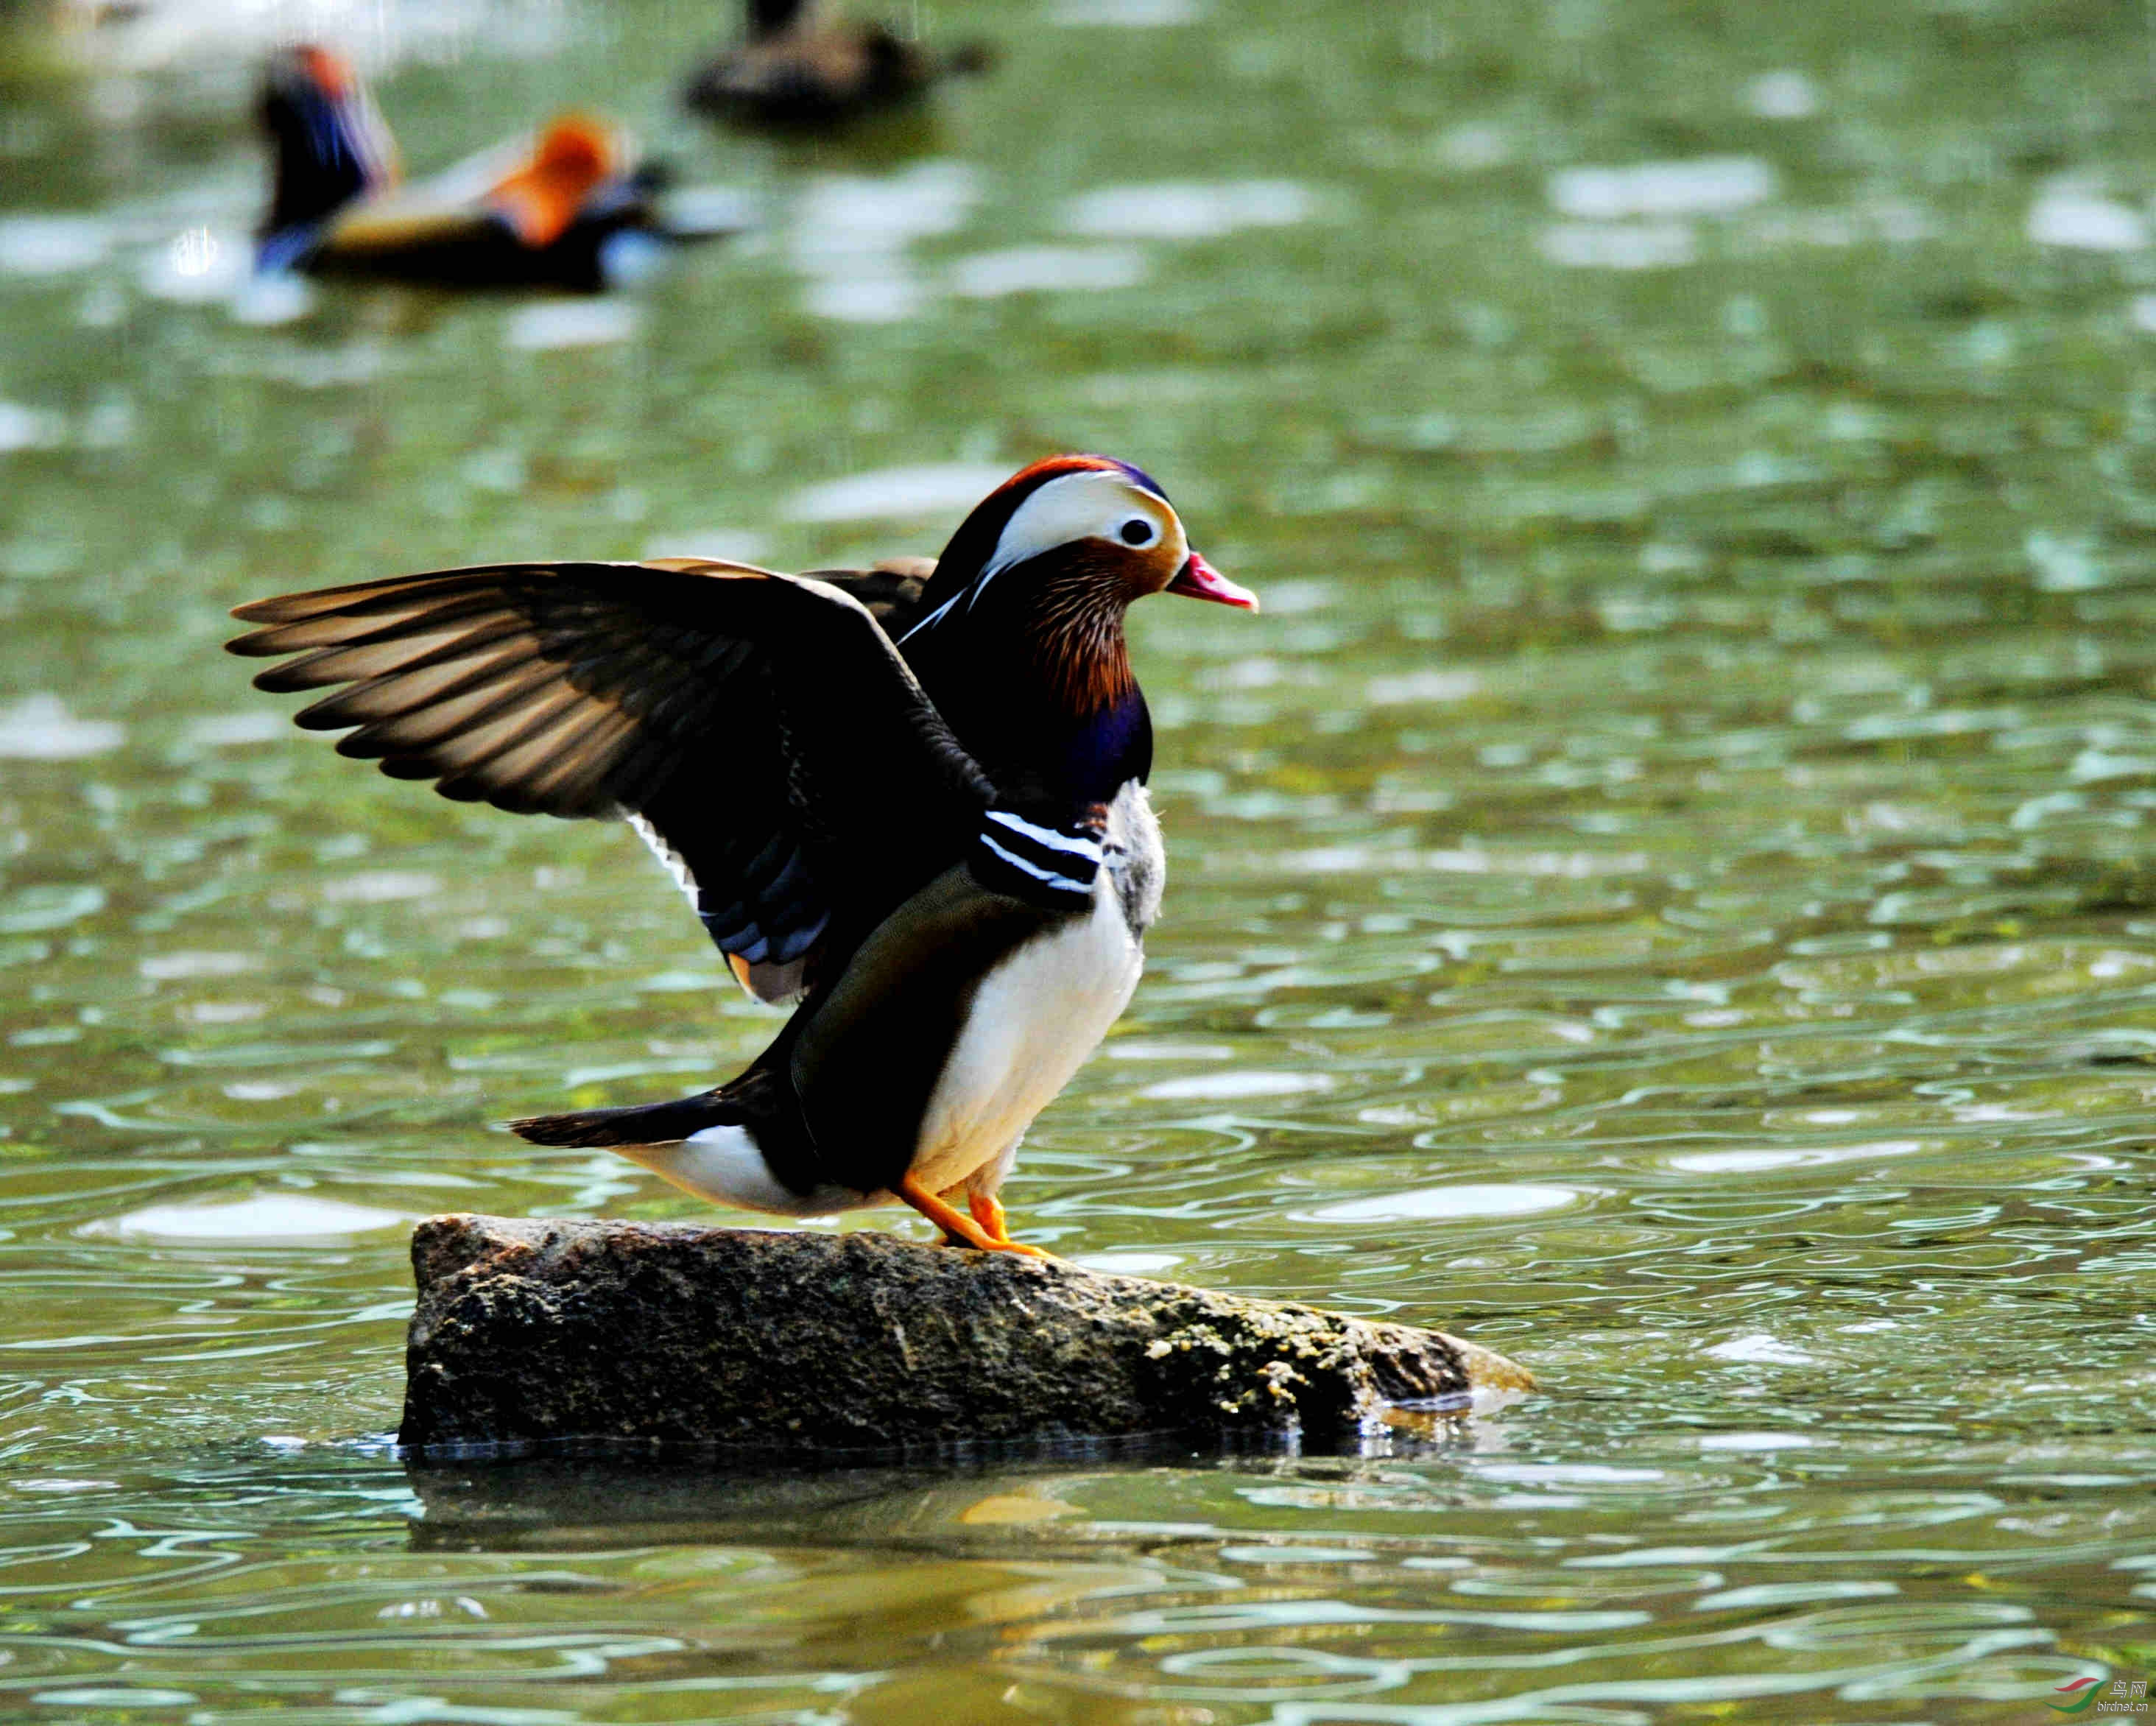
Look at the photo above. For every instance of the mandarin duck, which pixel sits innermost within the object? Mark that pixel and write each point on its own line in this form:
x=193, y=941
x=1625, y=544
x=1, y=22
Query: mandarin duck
x=566, y=211
x=799, y=66
x=917, y=810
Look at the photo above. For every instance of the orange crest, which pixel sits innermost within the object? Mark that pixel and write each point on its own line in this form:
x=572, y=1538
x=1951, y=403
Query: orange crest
x=330, y=73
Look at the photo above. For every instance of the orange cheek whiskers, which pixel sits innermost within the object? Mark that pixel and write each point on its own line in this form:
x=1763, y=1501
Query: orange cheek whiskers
x=1078, y=635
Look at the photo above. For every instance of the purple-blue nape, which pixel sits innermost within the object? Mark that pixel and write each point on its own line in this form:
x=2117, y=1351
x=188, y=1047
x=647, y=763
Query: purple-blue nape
x=1142, y=477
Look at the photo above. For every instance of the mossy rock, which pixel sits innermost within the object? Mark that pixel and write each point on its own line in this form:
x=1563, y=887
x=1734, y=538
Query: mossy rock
x=805, y=1344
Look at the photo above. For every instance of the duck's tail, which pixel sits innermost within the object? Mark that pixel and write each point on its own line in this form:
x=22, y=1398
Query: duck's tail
x=644, y=1124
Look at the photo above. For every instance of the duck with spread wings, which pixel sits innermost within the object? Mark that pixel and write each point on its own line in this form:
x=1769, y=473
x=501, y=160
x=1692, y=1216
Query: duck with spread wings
x=940, y=846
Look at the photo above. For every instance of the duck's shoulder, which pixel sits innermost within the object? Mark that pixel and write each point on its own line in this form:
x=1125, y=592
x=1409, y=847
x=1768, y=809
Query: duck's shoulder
x=891, y=590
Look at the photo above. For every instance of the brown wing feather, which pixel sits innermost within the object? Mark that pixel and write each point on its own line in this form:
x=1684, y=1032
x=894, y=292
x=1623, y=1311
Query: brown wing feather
x=891, y=590
x=762, y=726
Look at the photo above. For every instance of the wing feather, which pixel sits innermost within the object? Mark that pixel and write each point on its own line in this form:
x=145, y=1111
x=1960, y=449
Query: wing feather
x=467, y=643
x=566, y=741
x=382, y=602
x=760, y=725
x=416, y=706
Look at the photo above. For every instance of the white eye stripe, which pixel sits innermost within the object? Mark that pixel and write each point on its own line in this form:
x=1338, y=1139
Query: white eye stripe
x=1093, y=504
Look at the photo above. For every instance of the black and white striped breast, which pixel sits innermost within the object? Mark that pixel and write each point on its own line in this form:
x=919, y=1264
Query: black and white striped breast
x=1057, y=865
x=1053, y=865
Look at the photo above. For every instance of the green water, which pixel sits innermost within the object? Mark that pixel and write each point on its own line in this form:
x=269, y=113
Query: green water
x=1664, y=888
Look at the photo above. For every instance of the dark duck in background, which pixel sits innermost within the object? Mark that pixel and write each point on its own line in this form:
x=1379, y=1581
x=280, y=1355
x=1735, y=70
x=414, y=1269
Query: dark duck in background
x=940, y=846
x=800, y=66
x=568, y=211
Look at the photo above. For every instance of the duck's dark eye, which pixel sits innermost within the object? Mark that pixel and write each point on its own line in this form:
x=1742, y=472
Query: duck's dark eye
x=1137, y=531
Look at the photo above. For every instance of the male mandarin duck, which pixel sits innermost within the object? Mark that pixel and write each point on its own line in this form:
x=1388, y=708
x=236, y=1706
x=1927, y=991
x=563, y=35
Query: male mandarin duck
x=568, y=211
x=932, y=831
x=799, y=66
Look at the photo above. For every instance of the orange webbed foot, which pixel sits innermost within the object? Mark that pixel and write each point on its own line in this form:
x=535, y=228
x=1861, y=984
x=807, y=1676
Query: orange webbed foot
x=984, y=1230
x=989, y=1212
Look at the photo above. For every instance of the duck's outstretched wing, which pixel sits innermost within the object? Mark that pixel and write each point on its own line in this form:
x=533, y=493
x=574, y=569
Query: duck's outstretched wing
x=759, y=729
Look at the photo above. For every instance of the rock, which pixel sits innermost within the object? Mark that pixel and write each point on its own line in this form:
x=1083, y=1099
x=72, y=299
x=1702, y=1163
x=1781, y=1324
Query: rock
x=806, y=1344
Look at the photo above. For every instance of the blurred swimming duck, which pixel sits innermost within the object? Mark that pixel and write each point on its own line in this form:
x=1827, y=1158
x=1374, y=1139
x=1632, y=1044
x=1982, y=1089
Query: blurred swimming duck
x=566, y=211
x=800, y=66
x=941, y=846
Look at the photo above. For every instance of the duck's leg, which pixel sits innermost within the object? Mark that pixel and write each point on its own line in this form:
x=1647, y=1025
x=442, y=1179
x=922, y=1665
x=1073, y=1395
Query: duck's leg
x=956, y=1226
x=987, y=1211
x=982, y=1188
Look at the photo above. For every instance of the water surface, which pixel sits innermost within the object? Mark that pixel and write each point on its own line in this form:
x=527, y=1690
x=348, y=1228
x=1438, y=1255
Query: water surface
x=1663, y=887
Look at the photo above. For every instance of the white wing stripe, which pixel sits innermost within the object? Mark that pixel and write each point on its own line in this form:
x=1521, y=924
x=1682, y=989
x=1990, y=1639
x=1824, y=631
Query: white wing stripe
x=676, y=865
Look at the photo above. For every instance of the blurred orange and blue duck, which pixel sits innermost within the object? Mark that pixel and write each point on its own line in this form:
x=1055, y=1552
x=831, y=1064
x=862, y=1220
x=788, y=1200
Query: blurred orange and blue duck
x=800, y=66
x=571, y=210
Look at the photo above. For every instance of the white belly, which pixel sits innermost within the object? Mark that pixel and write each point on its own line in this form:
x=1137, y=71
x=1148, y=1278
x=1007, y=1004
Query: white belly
x=1033, y=1020
x=722, y=1164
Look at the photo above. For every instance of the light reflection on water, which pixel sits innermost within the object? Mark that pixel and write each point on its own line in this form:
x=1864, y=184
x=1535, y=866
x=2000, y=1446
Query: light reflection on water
x=1660, y=890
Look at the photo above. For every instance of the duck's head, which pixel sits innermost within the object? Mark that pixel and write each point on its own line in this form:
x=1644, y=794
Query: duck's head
x=328, y=145
x=1038, y=578
x=767, y=19
x=1020, y=642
